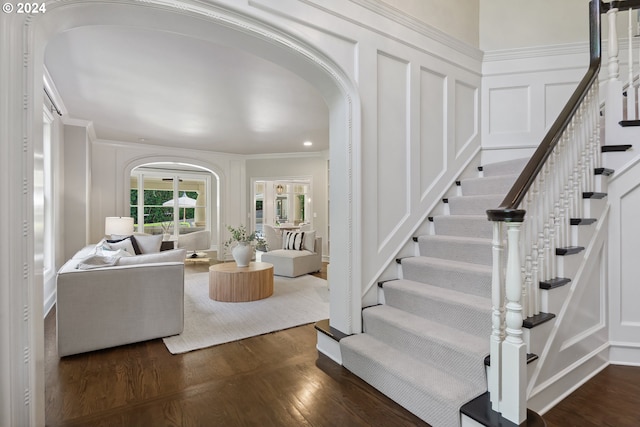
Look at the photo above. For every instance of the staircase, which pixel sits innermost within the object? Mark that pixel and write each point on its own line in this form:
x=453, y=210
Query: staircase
x=425, y=346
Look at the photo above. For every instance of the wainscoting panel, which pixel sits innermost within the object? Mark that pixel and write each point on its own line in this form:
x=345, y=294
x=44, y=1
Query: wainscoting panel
x=393, y=143
x=624, y=246
x=467, y=117
x=509, y=110
x=522, y=92
x=433, y=109
x=555, y=96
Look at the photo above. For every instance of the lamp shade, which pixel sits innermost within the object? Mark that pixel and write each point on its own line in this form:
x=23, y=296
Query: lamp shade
x=121, y=225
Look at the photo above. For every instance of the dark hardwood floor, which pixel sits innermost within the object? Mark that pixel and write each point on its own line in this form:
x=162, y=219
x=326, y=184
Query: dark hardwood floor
x=611, y=399
x=277, y=379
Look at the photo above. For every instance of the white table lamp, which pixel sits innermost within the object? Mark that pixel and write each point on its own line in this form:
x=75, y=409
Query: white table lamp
x=120, y=225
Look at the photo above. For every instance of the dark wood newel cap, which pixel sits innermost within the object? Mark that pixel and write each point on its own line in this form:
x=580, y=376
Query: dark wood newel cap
x=506, y=215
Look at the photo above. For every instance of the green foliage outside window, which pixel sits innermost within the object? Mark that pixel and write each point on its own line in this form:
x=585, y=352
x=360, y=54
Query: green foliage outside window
x=154, y=211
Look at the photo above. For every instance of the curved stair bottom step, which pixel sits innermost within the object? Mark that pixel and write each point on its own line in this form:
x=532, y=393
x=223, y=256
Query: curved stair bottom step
x=421, y=388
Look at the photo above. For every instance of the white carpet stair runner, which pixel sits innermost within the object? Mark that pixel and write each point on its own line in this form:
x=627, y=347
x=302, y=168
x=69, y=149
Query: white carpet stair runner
x=425, y=346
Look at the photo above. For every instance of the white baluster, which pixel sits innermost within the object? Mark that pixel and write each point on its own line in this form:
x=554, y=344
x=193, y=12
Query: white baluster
x=514, y=402
x=631, y=91
x=613, y=45
x=497, y=317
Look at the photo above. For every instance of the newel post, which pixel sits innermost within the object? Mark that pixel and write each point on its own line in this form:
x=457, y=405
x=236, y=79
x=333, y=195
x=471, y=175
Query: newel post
x=497, y=318
x=514, y=374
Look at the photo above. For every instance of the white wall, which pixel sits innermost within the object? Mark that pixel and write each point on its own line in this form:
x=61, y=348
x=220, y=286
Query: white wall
x=508, y=24
x=459, y=19
x=77, y=188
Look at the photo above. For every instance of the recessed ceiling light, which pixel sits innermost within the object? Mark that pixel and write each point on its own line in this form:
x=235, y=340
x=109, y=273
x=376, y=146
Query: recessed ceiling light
x=308, y=143
x=141, y=139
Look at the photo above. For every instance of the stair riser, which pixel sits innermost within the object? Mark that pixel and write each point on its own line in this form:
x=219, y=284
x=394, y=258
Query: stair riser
x=568, y=265
x=509, y=167
x=486, y=186
x=602, y=183
x=536, y=338
x=459, y=280
x=464, y=227
x=476, y=322
x=594, y=208
x=552, y=300
x=473, y=253
x=581, y=235
x=454, y=361
x=473, y=206
x=616, y=160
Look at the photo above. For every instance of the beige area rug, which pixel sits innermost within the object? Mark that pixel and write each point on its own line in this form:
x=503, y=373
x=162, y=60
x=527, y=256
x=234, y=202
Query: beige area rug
x=294, y=302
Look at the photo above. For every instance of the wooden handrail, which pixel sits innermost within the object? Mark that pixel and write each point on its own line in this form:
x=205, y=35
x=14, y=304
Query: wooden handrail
x=508, y=210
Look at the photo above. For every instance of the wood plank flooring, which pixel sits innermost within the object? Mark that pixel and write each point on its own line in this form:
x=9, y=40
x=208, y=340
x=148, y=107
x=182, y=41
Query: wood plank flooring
x=277, y=379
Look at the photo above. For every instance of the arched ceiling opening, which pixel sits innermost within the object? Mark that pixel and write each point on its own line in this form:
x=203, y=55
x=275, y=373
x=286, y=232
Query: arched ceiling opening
x=152, y=86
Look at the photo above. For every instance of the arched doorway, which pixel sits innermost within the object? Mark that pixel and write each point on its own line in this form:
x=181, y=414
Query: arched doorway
x=184, y=175
x=21, y=83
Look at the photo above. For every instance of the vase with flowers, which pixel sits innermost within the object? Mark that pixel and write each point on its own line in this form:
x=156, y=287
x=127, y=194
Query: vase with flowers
x=241, y=244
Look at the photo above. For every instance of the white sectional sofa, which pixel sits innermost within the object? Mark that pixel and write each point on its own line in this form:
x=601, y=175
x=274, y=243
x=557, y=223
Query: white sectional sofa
x=104, y=303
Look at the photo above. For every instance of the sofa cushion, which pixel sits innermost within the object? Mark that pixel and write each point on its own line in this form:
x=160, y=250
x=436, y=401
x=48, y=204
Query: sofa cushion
x=309, y=240
x=288, y=253
x=149, y=244
x=174, y=255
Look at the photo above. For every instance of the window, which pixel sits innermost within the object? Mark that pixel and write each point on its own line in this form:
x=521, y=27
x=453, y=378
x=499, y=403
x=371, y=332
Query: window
x=170, y=201
x=47, y=191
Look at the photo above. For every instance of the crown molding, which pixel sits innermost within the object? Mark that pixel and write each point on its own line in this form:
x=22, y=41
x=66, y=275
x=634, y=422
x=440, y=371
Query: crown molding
x=419, y=26
x=580, y=48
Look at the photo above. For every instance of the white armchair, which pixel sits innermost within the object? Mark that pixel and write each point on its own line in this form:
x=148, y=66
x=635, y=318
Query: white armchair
x=273, y=237
x=296, y=262
x=192, y=242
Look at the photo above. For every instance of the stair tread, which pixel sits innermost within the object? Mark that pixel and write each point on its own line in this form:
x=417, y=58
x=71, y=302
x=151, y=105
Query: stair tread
x=422, y=327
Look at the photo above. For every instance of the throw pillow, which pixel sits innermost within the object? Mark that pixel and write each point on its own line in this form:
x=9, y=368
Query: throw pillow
x=149, y=244
x=115, y=238
x=114, y=245
x=293, y=240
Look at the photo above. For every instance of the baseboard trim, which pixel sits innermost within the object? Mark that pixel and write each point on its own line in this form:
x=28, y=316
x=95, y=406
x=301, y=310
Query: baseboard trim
x=624, y=353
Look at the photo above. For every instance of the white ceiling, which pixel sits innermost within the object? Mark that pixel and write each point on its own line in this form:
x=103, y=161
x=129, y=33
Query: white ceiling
x=166, y=89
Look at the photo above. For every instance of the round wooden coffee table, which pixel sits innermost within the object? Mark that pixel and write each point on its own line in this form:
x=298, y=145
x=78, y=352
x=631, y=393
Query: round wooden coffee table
x=230, y=283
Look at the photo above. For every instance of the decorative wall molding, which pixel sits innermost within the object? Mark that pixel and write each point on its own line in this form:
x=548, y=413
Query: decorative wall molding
x=581, y=48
